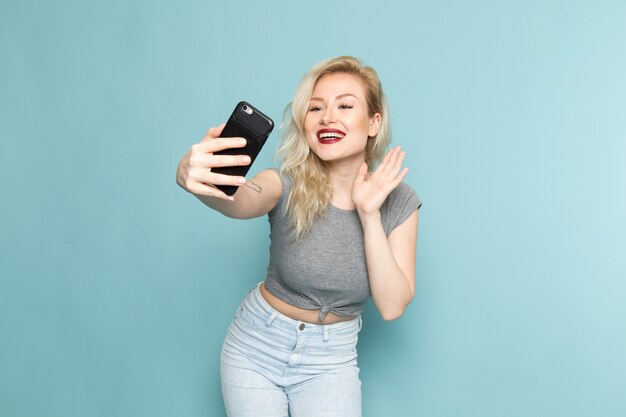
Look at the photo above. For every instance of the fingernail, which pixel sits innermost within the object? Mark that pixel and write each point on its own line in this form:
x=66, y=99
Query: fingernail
x=241, y=180
x=242, y=142
x=245, y=159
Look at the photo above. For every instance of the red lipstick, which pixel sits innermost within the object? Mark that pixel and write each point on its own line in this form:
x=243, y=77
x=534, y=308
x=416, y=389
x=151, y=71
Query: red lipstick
x=328, y=136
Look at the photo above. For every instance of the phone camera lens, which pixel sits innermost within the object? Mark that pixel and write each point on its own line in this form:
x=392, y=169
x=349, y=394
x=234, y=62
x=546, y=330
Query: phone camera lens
x=246, y=109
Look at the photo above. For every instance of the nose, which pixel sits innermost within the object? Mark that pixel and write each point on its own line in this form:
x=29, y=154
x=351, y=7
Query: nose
x=327, y=117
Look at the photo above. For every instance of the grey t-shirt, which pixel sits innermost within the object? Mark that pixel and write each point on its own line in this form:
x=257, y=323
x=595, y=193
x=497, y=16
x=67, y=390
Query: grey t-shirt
x=325, y=269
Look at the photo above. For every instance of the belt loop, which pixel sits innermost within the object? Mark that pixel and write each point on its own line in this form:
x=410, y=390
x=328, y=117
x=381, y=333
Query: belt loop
x=270, y=319
x=325, y=333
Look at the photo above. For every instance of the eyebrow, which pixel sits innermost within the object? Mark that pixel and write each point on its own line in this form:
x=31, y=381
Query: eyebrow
x=340, y=96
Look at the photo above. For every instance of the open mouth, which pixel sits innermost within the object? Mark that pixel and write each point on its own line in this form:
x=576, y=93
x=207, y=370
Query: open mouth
x=328, y=136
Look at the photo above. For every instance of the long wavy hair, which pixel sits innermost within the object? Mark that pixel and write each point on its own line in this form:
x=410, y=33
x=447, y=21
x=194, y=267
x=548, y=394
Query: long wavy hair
x=311, y=190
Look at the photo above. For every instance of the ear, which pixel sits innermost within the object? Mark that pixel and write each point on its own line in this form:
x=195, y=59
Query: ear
x=374, y=124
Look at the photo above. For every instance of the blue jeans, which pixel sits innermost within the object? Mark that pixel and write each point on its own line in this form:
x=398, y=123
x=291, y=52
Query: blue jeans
x=274, y=366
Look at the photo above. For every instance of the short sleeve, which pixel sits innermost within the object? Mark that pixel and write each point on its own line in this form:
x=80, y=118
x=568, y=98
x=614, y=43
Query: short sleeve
x=399, y=206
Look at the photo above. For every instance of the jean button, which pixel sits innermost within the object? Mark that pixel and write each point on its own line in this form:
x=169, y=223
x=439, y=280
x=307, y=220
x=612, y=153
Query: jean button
x=301, y=326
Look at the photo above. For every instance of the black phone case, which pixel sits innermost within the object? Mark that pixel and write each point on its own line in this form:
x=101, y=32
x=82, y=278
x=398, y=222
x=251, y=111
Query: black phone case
x=249, y=123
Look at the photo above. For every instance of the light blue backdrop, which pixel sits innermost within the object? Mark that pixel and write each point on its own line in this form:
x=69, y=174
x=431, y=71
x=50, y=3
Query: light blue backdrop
x=117, y=287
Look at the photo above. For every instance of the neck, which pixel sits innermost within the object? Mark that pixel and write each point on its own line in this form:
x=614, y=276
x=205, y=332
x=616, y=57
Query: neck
x=341, y=176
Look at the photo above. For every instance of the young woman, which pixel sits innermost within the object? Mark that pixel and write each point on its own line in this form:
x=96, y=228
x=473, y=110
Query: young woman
x=339, y=233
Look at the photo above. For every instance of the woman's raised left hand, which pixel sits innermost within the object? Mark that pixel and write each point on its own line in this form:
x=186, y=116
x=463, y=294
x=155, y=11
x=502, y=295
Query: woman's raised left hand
x=370, y=191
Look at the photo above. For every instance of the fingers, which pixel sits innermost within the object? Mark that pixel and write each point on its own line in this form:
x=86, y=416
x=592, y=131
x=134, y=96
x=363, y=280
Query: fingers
x=209, y=160
x=401, y=176
x=395, y=161
x=194, y=171
x=391, y=164
x=211, y=144
x=214, y=132
x=361, y=174
x=204, y=189
x=207, y=177
x=203, y=181
x=202, y=154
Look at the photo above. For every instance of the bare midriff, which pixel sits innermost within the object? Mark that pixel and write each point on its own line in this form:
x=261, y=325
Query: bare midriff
x=297, y=313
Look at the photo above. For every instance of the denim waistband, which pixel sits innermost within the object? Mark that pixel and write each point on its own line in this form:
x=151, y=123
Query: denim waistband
x=270, y=315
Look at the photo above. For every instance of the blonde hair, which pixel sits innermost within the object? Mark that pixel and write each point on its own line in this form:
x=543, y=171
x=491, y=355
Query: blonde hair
x=311, y=190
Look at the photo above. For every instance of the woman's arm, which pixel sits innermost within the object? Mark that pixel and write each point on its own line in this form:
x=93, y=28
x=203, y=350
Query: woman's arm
x=391, y=264
x=256, y=198
x=390, y=261
x=252, y=199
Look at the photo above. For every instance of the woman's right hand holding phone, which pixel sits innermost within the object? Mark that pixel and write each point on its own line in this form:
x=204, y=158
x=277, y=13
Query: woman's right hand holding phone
x=194, y=169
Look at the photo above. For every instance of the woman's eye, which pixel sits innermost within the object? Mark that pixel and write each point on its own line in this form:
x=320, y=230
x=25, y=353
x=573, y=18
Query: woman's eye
x=315, y=108
x=346, y=106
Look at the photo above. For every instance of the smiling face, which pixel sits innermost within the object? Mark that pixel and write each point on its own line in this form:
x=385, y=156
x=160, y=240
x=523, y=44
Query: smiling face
x=337, y=123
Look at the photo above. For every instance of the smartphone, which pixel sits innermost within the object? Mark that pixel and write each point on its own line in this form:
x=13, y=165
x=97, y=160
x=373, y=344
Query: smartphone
x=250, y=123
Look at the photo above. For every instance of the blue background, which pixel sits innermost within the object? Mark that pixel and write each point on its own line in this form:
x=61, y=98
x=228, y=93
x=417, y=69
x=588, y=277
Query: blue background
x=117, y=287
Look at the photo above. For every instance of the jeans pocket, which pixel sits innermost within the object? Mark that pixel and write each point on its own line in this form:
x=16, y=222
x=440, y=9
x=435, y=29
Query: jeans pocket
x=245, y=318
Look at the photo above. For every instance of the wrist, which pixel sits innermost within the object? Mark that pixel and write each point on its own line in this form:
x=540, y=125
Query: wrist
x=369, y=218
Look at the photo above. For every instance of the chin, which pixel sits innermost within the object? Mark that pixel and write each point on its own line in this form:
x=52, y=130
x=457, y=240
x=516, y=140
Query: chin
x=325, y=158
